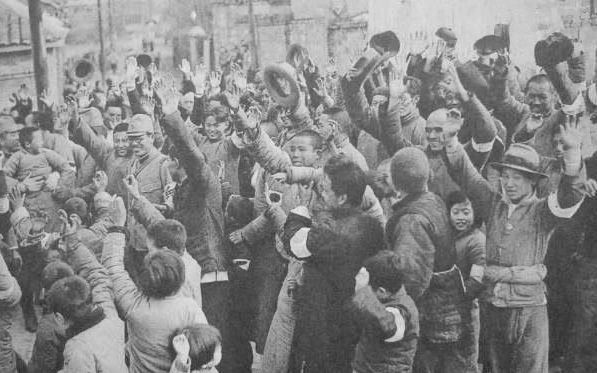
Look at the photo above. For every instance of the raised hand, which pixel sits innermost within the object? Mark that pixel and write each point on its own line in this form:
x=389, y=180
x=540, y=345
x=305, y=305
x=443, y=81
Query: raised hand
x=147, y=104
x=199, y=78
x=17, y=197
x=571, y=137
x=167, y=93
x=130, y=72
x=83, y=96
x=118, y=212
x=185, y=68
x=70, y=224
x=215, y=78
x=132, y=186
x=43, y=97
x=236, y=237
x=240, y=80
x=361, y=279
x=232, y=101
x=72, y=109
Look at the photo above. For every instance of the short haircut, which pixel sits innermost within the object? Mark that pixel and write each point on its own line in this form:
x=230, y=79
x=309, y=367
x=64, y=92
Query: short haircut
x=456, y=197
x=121, y=127
x=384, y=271
x=115, y=101
x=540, y=79
x=71, y=297
x=55, y=271
x=347, y=178
x=316, y=139
x=203, y=340
x=26, y=135
x=76, y=205
x=168, y=233
x=162, y=274
x=340, y=116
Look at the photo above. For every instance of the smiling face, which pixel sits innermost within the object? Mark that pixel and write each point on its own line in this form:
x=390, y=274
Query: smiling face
x=540, y=98
x=302, y=152
x=462, y=216
x=121, y=143
x=113, y=116
x=214, y=129
x=37, y=142
x=141, y=144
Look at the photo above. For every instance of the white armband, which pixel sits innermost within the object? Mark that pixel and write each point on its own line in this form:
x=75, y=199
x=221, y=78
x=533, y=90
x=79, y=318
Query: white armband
x=560, y=212
x=400, y=325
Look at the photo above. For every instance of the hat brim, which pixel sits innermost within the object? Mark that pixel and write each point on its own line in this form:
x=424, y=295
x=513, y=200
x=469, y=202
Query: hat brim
x=136, y=134
x=499, y=166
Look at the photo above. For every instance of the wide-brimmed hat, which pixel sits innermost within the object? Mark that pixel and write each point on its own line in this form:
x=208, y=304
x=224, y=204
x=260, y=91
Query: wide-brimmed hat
x=8, y=124
x=522, y=158
x=283, y=71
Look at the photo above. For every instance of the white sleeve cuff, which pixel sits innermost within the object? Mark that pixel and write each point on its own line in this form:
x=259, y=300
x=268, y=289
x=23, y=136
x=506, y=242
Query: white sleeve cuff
x=566, y=213
x=400, y=325
x=483, y=147
x=301, y=211
x=477, y=272
x=298, y=243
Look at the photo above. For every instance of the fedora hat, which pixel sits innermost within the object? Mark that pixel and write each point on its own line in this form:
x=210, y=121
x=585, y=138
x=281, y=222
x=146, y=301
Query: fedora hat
x=282, y=71
x=522, y=158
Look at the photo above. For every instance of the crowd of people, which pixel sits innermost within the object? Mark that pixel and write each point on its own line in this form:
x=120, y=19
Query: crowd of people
x=427, y=215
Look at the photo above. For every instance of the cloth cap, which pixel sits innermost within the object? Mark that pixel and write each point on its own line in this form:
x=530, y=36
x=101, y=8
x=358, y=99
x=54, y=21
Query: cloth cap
x=410, y=170
x=489, y=44
x=77, y=206
x=520, y=157
x=447, y=35
x=140, y=124
x=8, y=124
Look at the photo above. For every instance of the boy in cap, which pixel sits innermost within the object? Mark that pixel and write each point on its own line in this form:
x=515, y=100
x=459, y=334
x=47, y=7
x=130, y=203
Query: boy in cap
x=9, y=137
x=518, y=229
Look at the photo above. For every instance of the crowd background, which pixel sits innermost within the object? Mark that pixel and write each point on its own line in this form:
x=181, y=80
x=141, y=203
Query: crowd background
x=428, y=211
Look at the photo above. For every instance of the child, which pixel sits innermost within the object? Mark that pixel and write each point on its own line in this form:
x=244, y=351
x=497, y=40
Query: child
x=198, y=349
x=470, y=258
x=388, y=317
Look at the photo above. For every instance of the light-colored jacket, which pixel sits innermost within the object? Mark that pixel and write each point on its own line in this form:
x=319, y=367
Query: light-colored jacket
x=150, y=321
x=101, y=347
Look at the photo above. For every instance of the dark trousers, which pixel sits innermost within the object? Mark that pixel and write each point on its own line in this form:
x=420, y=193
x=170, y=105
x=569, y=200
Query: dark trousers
x=217, y=303
x=34, y=261
x=518, y=339
x=582, y=353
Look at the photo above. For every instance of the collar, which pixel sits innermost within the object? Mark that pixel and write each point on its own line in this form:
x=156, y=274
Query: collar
x=406, y=200
x=86, y=322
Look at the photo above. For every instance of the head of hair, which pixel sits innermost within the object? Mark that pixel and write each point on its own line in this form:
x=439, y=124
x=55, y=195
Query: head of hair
x=340, y=116
x=203, y=340
x=347, y=178
x=55, y=271
x=540, y=79
x=114, y=101
x=26, y=135
x=162, y=274
x=77, y=206
x=454, y=198
x=71, y=297
x=384, y=271
x=168, y=233
x=410, y=170
x=316, y=140
x=121, y=127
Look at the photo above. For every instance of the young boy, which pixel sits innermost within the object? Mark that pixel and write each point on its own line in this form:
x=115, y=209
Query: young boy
x=388, y=317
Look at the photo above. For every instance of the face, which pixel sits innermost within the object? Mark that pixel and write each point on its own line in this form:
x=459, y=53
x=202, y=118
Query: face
x=10, y=141
x=516, y=184
x=330, y=199
x=37, y=142
x=141, y=145
x=540, y=98
x=406, y=103
x=435, y=135
x=113, y=116
x=444, y=95
x=302, y=153
x=187, y=102
x=488, y=59
x=215, y=130
x=121, y=143
x=461, y=216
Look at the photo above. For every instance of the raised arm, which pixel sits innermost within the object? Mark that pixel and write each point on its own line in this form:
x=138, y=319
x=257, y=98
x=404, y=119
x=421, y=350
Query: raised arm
x=126, y=294
x=86, y=265
x=97, y=146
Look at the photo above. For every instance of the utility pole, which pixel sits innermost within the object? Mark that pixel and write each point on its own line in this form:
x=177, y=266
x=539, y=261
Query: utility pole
x=253, y=34
x=102, y=56
x=38, y=49
x=111, y=24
